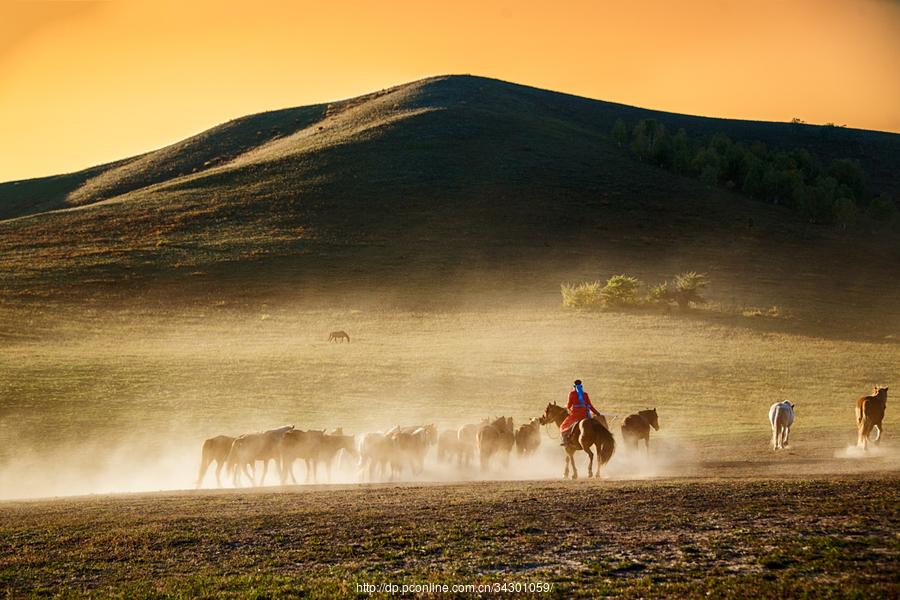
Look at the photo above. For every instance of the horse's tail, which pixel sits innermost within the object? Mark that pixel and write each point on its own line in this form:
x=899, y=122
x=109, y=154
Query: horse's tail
x=607, y=445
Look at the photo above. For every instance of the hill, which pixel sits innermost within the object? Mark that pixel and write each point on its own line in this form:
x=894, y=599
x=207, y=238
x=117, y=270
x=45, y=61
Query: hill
x=466, y=183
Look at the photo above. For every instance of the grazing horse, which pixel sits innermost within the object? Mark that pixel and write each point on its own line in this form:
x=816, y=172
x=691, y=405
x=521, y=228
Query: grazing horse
x=214, y=449
x=781, y=416
x=528, y=437
x=338, y=336
x=584, y=434
x=252, y=447
x=328, y=447
x=297, y=445
x=636, y=427
x=495, y=438
x=870, y=414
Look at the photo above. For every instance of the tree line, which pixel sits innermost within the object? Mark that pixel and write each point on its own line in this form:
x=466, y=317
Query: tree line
x=832, y=193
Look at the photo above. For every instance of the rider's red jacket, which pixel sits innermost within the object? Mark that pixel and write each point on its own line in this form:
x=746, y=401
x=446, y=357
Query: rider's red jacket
x=576, y=411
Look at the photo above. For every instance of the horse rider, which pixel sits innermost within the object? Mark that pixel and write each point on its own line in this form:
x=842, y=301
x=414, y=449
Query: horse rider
x=579, y=406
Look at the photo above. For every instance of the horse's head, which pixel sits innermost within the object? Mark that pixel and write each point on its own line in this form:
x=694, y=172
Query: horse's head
x=881, y=393
x=550, y=413
x=431, y=434
x=651, y=417
x=499, y=423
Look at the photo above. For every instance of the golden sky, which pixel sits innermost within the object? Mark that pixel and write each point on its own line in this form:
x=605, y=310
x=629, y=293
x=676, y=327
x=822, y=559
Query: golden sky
x=85, y=82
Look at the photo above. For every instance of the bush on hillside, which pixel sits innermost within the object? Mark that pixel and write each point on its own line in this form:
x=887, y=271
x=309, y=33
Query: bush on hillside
x=688, y=287
x=581, y=295
x=621, y=291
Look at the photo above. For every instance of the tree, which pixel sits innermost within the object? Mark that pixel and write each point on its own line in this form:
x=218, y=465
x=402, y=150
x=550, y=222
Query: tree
x=883, y=209
x=849, y=173
x=844, y=211
x=681, y=152
x=620, y=133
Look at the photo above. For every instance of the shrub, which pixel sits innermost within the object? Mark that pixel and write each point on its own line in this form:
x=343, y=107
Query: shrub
x=582, y=295
x=688, y=287
x=621, y=291
x=659, y=294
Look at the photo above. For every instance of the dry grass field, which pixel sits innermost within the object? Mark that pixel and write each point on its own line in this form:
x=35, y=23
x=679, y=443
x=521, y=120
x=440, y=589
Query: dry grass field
x=736, y=538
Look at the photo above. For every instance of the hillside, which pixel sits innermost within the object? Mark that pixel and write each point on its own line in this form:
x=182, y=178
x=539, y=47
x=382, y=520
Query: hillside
x=453, y=181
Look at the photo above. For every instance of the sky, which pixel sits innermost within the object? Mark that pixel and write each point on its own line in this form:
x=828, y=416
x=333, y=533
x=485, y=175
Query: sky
x=84, y=82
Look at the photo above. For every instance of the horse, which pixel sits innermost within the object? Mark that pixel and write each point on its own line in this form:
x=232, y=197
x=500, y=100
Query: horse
x=584, y=434
x=328, y=447
x=636, y=427
x=338, y=336
x=781, y=416
x=467, y=437
x=214, y=449
x=496, y=437
x=376, y=453
x=296, y=444
x=528, y=437
x=249, y=448
x=410, y=447
x=449, y=448
x=870, y=415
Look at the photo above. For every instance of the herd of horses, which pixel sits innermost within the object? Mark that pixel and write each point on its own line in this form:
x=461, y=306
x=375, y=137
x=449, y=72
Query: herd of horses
x=391, y=454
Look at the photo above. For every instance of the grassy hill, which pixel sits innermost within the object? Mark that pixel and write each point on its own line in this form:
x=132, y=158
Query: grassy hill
x=451, y=188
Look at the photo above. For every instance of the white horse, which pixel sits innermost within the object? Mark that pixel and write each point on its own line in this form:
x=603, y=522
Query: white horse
x=781, y=416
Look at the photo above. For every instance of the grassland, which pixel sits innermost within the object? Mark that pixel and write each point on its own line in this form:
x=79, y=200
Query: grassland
x=121, y=399
x=821, y=537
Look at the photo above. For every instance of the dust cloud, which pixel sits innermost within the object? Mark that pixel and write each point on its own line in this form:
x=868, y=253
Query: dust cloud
x=120, y=400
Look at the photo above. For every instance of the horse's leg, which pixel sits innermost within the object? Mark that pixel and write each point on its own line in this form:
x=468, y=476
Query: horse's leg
x=219, y=465
x=590, y=462
x=572, y=462
x=566, y=472
x=204, y=464
x=787, y=435
x=880, y=428
x=262, y=479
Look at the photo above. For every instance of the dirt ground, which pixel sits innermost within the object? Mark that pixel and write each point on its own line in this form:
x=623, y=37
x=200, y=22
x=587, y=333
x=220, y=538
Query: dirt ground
x=777, y=537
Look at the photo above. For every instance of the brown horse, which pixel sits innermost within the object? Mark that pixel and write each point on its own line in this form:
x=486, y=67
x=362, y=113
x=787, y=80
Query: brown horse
x=296, y=445
x=584, y=434
x=214, y=449
x=449, y=448
x=528, y=437
x=411, y=444
x=338, y=336
x=252, y=447
x=870, y=414
x=636, y=427
x=495, y=438
x=328, y=448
